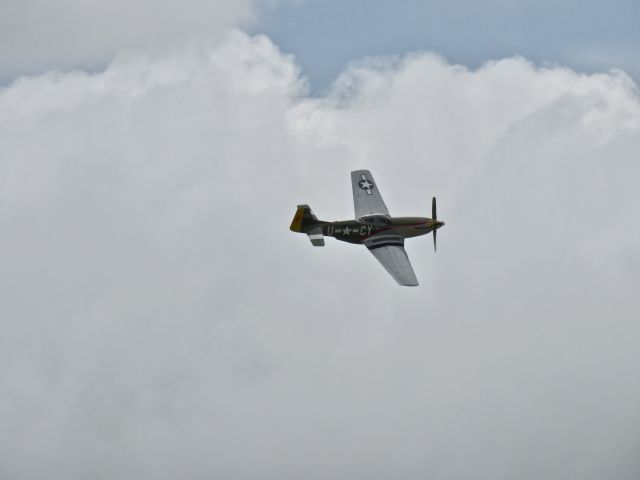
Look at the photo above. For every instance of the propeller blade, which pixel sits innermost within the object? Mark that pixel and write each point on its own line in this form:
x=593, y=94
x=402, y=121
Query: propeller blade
x=435, y=249
x=434, y=213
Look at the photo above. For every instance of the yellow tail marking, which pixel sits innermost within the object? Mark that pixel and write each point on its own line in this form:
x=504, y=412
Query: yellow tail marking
x=296, y=224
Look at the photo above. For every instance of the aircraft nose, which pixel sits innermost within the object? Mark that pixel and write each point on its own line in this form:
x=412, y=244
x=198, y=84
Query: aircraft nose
x=439, y=224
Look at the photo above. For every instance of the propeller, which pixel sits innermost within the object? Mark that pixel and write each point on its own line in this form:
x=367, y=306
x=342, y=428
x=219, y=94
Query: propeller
x=434, y=216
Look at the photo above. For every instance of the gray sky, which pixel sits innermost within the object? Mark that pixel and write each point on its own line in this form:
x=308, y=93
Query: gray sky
x=159, y=320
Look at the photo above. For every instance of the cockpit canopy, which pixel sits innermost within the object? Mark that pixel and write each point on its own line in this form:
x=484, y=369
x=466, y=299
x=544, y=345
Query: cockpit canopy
x=375, y=219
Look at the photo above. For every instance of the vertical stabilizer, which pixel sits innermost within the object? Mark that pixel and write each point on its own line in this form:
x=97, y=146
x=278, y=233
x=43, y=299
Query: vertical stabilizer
x=304, y=221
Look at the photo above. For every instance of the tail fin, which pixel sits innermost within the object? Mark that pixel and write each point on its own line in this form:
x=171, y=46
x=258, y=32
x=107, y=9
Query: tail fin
x=304, y=219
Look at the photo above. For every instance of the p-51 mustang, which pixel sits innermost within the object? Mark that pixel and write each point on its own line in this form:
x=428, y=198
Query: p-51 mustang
x=382, y=234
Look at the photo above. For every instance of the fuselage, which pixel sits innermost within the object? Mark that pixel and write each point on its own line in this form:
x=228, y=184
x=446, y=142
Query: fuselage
x=357, y=231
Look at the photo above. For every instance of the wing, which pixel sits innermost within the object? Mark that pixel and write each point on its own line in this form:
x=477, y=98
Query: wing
x=366, y=196
x=395, y=260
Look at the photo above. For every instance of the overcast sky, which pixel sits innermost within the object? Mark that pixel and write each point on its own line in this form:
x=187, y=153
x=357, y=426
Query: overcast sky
x=159, y=320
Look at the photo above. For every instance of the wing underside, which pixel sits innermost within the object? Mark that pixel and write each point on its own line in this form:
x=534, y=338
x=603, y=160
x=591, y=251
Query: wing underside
x=394, y=259
x=366, y=196
x=388, y=249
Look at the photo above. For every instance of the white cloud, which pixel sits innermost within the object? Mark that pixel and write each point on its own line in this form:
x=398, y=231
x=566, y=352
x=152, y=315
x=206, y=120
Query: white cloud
x=37, y=35
x=159, y=320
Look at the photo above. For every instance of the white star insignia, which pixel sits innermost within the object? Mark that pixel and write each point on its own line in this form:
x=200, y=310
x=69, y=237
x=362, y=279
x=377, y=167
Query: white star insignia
x=365, y=184
x=346, y=230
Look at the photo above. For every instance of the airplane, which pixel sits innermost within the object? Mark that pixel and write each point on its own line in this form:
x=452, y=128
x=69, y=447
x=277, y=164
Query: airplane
x=382, y=234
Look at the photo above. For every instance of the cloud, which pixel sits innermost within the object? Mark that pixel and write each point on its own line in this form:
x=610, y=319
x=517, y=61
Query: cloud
x=39, y=35
x=159, y=320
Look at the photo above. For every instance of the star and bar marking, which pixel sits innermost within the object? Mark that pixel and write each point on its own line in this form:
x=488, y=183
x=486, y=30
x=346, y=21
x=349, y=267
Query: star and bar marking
x=365, y=184
x=362, y=230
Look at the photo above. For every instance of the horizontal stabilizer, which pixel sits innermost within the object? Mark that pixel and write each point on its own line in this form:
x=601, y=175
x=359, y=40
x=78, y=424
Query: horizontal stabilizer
x=316, y=237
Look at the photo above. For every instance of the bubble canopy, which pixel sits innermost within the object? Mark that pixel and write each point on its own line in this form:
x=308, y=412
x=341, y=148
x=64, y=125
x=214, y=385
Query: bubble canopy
x=375, y=220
